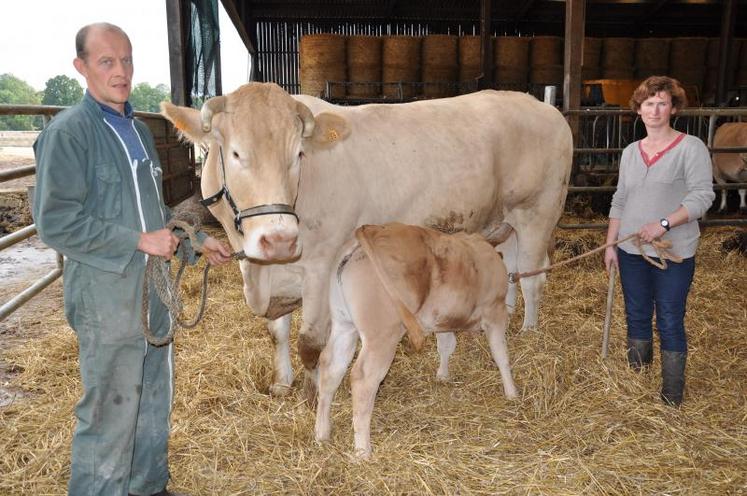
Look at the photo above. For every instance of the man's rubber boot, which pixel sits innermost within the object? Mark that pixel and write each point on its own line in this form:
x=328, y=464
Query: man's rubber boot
x=673, y=376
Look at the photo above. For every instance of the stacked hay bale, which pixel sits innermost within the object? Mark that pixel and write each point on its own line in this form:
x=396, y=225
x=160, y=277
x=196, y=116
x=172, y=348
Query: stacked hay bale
x=687, y=64
x=617, y=58
x=469, y=63
x=400, y=64
x=440, y=65
x=651, y=57
x=322, y=58
x=546, y=57
x=364, y=66
x=511, y=60
x=590, y=65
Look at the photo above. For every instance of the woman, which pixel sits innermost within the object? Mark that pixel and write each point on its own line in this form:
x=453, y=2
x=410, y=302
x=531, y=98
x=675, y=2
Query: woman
x=664, y=186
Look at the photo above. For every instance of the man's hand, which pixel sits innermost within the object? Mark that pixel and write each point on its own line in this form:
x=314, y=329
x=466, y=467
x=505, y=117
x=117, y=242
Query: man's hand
x=161, y=243
x=216, y=252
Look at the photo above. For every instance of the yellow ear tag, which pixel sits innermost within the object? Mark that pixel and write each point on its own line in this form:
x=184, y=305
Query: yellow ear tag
x=332, y=135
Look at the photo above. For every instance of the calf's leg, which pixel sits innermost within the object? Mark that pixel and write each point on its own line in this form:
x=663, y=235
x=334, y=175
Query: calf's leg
x=494, y=324
x=446, y=344
x=333, y=363
x=371, y=366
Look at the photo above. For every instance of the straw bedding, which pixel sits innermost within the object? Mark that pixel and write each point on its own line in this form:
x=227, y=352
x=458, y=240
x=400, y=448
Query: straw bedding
x=581, y=426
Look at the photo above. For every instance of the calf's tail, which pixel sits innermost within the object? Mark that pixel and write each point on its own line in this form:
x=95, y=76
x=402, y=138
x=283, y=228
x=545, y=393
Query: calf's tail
x=414, y=331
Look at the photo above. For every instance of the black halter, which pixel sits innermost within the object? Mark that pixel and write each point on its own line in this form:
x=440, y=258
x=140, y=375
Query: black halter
x=269, y=209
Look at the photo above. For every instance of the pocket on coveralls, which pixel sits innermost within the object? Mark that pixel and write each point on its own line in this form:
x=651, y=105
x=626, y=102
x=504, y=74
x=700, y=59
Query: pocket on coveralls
x=109, y=185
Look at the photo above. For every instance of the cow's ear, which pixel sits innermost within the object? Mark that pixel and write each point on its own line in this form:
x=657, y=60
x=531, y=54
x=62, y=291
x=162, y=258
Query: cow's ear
x=187, y=121
x=329, y=130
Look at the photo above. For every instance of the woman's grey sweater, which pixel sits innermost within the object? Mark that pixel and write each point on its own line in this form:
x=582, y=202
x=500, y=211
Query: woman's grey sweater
x=680, y=177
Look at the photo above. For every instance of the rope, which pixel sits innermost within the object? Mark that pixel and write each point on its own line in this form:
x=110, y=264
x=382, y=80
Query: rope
x=157, y=273
x=660, y=246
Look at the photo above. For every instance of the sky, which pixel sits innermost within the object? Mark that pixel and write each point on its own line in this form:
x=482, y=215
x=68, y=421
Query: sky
x=37, y=39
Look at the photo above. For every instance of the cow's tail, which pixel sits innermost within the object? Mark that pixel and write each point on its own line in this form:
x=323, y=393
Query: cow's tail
x=414, y=331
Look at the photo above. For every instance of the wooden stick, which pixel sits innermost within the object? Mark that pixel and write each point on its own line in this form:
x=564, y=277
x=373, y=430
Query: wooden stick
x=608, y=315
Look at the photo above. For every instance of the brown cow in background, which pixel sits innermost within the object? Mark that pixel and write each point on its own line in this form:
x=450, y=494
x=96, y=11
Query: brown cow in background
x=731, y=166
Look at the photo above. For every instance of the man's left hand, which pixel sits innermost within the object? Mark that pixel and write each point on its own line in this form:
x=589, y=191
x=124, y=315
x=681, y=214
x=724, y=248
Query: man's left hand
x=217, y=253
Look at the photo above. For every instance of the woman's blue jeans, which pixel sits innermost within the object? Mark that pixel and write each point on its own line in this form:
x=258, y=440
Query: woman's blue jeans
x=646, y=288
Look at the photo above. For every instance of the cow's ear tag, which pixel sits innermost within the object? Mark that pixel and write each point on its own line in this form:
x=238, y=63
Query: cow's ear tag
x=332, y=135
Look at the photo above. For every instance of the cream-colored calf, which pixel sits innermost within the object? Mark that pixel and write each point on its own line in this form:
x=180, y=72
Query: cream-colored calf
x=396, y=278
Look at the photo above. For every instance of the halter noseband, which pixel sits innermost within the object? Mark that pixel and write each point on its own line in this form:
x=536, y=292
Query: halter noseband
x=239, y=215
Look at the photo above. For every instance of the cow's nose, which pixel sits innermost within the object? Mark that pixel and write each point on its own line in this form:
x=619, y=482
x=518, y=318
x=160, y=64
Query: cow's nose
x=278, y=245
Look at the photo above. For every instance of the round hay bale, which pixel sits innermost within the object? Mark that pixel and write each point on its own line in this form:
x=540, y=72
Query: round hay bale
x=546, y=74
x=694, y=75
x=322, y=58
x=511, y=51
x=511, y=75
x=687, y=53
x=400, y=64
x=322, y=49
x=617, y=55
x=618, y=73
x=592, y=52
x=314, y=80
x=440, y=65
x=546, y=51
x=469, y=51
x=651, y=57
x=364, y=65
x=590, y=68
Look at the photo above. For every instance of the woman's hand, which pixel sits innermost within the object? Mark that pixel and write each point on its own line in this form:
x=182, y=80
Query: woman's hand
x=651, y=231
x=610, y=257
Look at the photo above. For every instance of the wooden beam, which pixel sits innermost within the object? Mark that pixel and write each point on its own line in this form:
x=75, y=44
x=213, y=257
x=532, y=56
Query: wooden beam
x=486, y=45
x=575, y=20
x=653, y=10
x=176, y=10
x=728, y=18
x=233, y=14
x=523, y=9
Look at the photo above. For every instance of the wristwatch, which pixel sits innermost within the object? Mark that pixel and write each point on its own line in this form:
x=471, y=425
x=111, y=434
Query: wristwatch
x=665, y=224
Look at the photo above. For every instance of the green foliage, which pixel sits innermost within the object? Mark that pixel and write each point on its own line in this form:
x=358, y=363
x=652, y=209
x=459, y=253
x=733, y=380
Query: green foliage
x=62, y=90
x=14, y=90
x=147, y=98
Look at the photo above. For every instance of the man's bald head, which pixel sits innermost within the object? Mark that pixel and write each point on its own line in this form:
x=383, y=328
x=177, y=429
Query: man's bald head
x=82, y=37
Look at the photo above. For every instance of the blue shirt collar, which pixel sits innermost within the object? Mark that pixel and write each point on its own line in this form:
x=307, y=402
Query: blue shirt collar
x=128, y=112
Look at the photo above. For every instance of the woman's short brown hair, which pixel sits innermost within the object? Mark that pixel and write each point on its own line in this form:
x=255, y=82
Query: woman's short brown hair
x=653, y=85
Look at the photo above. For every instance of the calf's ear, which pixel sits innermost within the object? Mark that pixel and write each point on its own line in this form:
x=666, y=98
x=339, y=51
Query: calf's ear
x=187, y=121
x=329, y=130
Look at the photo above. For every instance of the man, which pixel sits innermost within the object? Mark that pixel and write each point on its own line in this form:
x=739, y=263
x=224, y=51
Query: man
x=98, y=201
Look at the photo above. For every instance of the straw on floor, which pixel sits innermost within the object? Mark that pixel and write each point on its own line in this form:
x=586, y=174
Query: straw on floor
x=581, y=426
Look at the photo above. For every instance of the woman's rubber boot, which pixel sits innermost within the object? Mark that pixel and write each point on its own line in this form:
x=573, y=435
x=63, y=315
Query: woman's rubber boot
x=640, y=353
x=673, y=376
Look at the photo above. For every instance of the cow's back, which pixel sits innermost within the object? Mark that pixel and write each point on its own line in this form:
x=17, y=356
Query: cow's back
x=729, y=165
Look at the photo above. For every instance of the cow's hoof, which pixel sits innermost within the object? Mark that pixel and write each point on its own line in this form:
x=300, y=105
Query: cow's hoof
x=363, y=454
x=528, y=328
x=280, y=390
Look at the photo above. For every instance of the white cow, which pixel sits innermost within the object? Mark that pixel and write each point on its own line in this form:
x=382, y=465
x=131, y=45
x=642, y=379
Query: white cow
x=731, y=166
x=468, y=163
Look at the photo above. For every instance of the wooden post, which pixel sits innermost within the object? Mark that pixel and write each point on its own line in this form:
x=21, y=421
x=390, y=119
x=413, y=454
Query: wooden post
x=486, y=45
x=175, y=12
x=608, y=315
x=575, y=20
x=728, y=16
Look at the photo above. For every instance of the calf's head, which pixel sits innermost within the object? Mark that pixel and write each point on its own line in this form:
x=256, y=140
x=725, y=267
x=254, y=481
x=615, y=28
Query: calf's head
x=255, y=137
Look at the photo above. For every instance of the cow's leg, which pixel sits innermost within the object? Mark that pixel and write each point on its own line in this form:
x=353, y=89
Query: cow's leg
x=279, y=330
x=494, y=324
x=722, y=205
x=333, y=363
x=742, y=200
x=314, y=327
x=446, y=344
x=534, y=230
x=510, y=252
x=371, y=366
